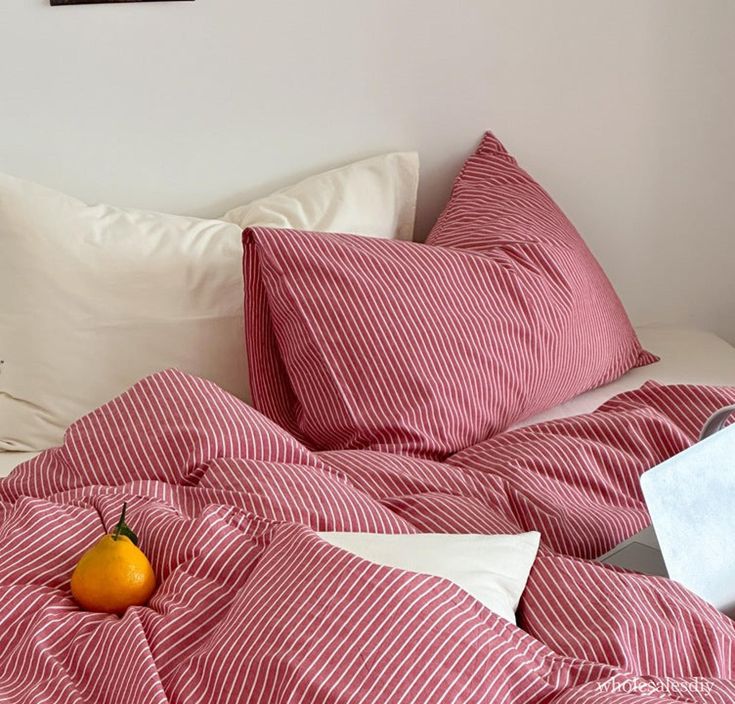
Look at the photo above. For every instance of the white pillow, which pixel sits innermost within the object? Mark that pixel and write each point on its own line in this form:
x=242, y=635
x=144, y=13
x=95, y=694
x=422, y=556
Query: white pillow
x=93, y=298
x=492, y=568
x=372, y=197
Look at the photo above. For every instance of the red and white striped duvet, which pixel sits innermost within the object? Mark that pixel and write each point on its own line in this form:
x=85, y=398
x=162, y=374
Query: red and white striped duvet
x=252, y=606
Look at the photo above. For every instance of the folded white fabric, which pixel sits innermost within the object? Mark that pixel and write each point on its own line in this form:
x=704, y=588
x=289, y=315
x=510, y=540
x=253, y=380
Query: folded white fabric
x=96, y=297
x=492, y=568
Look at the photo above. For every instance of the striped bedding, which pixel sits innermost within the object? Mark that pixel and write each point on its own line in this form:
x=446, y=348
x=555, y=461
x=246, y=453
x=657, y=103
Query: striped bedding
x=252, y=606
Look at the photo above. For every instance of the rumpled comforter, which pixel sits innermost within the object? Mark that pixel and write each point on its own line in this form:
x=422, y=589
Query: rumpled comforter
x=252, y=606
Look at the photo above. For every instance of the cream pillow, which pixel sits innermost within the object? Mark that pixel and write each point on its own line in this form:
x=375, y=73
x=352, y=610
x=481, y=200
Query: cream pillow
x=492, y=568
x=374, y=197
x=93, y=298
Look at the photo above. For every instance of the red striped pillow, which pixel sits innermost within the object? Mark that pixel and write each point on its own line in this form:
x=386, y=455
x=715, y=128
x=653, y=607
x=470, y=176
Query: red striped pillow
x=404, y=347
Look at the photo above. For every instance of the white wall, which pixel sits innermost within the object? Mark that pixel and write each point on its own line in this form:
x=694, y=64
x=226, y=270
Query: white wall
x=623, y=109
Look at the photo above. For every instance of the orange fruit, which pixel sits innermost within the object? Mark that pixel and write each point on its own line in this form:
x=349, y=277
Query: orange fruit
x=113, y=574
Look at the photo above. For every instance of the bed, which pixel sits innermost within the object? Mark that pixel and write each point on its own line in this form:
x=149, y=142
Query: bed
x=688, y=356
x=400, y=389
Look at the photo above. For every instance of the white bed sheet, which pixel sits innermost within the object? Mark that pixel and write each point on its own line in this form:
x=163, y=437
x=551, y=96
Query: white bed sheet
x=687, y=357
x=10, y=460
